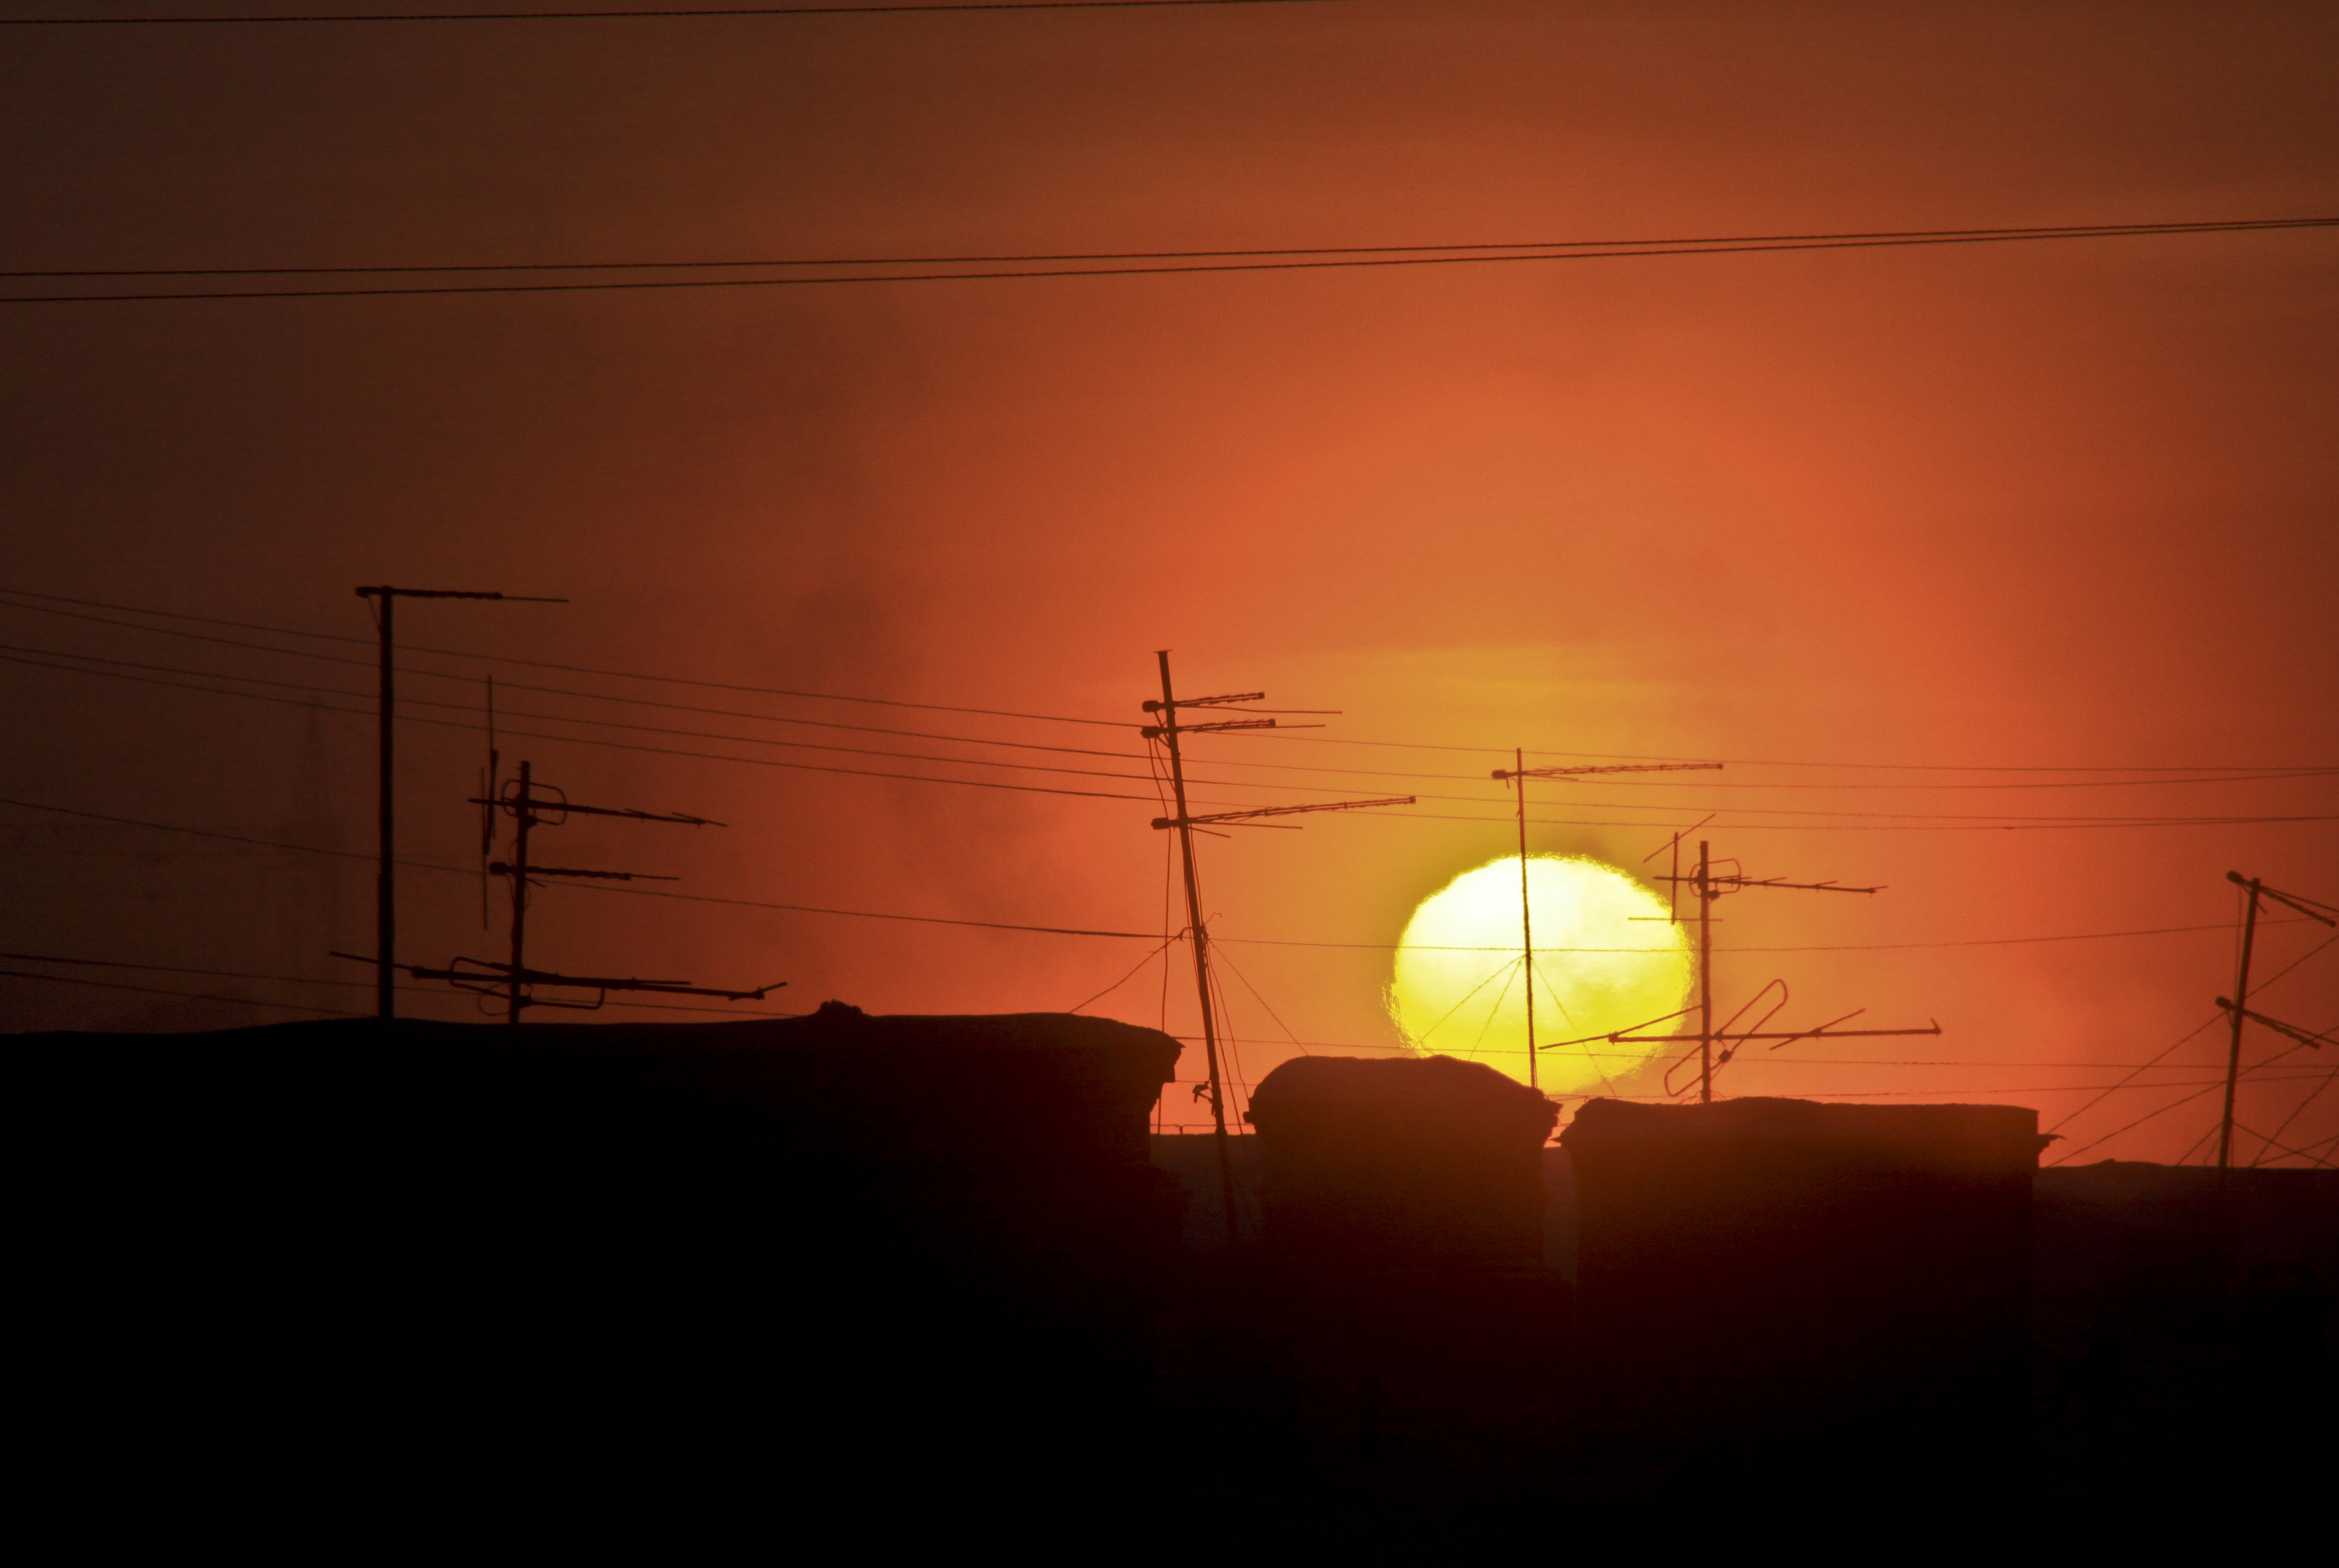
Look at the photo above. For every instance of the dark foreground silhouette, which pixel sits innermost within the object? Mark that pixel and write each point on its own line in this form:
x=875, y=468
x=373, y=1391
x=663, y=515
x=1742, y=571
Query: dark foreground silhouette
x=882, y=1288
x=868, y=1286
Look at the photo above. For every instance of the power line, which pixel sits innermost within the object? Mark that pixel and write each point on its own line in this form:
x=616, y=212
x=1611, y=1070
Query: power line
x=2058, y=231
x=1837, y=947
x=1992, y=826
x=614, y=746
x=547, y=665
x=2237, y=768
x=1903, y=820
x=886, y=7
x=196, y=995
x=1454, y=257
x=1776, y=762
x=591, y=696
x=634, y=892
x=2182, y=1038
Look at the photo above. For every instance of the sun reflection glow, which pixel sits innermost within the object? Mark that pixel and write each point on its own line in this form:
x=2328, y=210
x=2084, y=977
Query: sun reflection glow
x=1605, y=959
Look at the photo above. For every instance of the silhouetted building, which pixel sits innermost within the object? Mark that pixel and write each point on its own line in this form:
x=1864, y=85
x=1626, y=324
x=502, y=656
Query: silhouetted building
x=672, y=1278
x=1404, y=1163
x=1775, y=1281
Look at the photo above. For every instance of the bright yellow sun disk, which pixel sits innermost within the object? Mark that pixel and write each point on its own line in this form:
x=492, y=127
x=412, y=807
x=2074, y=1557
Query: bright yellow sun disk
x=1605, y=959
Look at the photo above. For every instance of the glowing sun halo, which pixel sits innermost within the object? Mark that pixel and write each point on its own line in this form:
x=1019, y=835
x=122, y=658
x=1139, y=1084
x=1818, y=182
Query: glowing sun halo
x=1604, y=960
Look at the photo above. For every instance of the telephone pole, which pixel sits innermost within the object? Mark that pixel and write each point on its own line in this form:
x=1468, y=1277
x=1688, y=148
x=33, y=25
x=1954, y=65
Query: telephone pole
x=385, y=937
x=2236, y=1008
x=1166, y=730
x=1518, y=774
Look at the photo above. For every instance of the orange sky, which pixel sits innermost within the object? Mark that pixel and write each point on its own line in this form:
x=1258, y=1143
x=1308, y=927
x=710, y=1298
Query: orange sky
x=2037, y=506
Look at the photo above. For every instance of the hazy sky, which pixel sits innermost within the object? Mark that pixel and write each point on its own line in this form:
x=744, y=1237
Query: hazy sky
x=1834, y=519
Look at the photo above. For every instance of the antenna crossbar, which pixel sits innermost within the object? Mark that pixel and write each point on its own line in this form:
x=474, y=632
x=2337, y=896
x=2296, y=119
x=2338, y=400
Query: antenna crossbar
x=1239, y=816
x=1569, y=773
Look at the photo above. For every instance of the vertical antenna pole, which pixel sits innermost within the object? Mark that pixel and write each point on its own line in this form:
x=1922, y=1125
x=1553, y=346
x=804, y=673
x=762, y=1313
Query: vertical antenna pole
x=1201, y=947
x=2233, y=1049
x=524, y=807
x=1527, y=921
x=1704, y=977
x=385, y=919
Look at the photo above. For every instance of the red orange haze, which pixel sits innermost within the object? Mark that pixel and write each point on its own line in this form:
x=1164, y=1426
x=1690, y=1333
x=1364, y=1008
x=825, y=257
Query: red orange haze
x=1949, y=553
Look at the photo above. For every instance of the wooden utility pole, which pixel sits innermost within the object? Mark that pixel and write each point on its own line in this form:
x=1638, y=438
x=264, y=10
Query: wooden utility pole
x=2241, y=999
x=2236, y=1007
x=1199, y=934
x=1166, y=730
x=385, y=937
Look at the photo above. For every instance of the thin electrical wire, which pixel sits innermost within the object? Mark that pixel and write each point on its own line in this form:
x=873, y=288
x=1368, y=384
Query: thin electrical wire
x=1125, y=978
x=473, y=870
x=1066, y=930
x=595, y=740
x=1112, y=723
x=1190, y=268
x=2267, y=1143
x=514, y=685
x=2233, y=777
x=19, y=655
x=2057, y=826
x=2049, y=230
x=1249, y=736
x=16, y=653
x=195, y=995
x=1827, y=1061
x=2211, y=1087
x=2295, y=1110
x=12, y=652
x=2214, y=1018
x=1262, y=1001
x=575, y=669
x=1832, y=947
x=884, y=8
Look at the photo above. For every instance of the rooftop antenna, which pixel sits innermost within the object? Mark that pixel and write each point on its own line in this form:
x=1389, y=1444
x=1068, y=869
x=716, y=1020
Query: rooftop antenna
x=1709, y=886
x=1167, y=729
x=2237, y=1008
x=385, y=936
x=532, y=805
x=1518, y=775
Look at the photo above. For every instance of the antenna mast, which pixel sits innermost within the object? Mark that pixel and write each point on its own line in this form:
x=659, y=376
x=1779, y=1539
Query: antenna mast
x=1519, y=775
x=1167, y=730
x=2237, y=1007
x=385, y=935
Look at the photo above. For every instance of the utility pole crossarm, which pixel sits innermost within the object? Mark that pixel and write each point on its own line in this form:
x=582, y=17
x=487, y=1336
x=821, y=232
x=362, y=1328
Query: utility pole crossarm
x=383, y=593
x=517, y=803
x=1236, y=816
x=1770, y=882
x=2304, y=1037
x=1568, y=772
x=2299, y=902
x=499, y=868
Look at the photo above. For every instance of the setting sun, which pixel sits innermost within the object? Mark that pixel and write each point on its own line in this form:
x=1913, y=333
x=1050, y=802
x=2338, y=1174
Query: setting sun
x=1605, y=959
